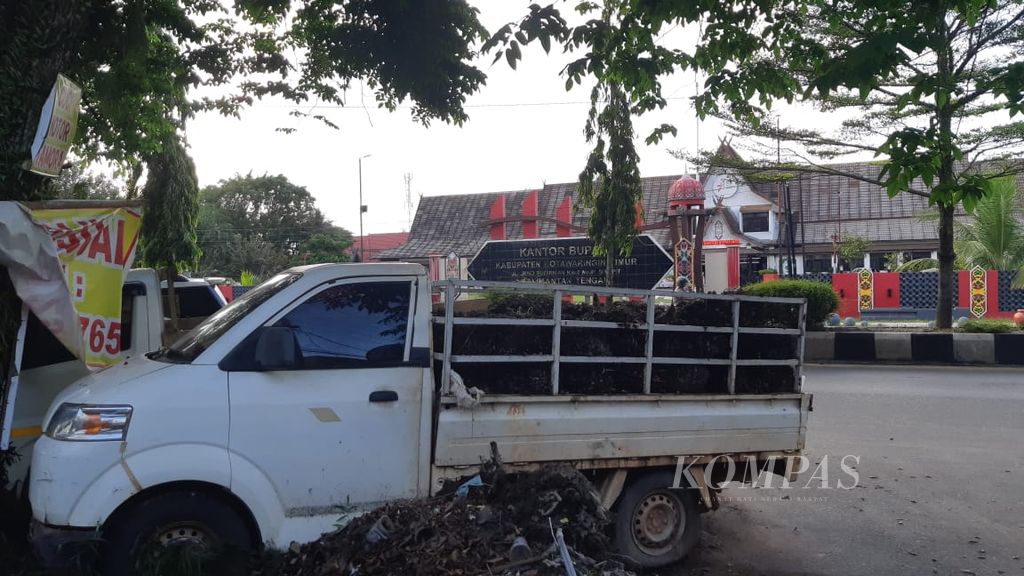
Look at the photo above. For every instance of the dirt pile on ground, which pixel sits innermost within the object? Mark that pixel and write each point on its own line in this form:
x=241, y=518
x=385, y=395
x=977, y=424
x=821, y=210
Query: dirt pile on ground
x=470, y=534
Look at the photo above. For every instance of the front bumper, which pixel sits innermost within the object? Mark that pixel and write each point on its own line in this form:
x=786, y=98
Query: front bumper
x=64, y=546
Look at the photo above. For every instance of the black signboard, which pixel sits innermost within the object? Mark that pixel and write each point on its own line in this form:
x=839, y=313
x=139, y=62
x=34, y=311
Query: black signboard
x=569, y=261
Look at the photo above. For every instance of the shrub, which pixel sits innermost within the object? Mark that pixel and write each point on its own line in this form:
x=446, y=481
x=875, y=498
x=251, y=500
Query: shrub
x=767, y=271
x=821, y=298
x=988, y=326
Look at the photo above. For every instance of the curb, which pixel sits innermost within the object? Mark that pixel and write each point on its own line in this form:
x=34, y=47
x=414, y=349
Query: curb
x=920, y=348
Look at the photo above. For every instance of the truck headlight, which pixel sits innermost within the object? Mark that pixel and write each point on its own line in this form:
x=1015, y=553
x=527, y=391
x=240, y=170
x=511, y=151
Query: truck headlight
x=89, y=422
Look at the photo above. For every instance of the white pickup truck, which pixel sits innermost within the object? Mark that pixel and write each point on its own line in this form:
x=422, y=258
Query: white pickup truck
x=314, y=396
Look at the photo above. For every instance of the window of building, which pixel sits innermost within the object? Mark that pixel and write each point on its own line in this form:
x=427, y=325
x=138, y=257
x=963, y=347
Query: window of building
x=755, y=221
x=750, y=268
x=815, y=264
x=916, y=255
x=352, y=326
x=878, y=261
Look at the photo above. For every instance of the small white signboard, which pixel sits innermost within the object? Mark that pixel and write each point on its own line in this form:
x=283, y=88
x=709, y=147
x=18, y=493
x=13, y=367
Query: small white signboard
x=57, y=124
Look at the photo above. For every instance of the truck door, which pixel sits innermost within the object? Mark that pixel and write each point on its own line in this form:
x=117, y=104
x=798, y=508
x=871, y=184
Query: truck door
x=339, y=422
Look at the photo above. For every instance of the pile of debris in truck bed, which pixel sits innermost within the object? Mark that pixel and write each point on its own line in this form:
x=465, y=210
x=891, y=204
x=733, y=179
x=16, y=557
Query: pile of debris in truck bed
x=495, y=524
x=627, y=341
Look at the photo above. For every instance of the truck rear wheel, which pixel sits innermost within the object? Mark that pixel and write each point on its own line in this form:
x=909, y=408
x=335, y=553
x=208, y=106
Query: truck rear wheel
x=655, y=524
x=183, y=528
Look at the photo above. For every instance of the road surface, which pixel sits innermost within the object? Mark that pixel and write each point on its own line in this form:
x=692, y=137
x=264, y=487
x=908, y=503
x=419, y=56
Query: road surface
x=941, y=488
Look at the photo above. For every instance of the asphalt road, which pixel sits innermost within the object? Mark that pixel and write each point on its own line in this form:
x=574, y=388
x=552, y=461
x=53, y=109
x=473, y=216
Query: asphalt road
x=941, y=488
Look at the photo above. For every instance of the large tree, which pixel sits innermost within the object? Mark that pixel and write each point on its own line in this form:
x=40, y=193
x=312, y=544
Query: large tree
x=170, y=211
x=269, y=215
x=930, y=88
x=610, y=184
x=138, y=62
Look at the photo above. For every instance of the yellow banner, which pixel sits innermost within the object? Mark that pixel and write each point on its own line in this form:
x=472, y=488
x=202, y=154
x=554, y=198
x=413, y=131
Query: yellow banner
x=96, y=247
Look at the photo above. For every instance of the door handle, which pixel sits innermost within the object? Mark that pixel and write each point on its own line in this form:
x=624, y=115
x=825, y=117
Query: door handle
x=384, y=396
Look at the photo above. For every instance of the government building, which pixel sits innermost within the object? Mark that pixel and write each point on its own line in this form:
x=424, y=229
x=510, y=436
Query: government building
x=748, y=225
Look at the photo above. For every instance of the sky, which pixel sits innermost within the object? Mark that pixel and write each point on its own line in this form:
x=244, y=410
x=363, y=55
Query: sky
x=524, y=130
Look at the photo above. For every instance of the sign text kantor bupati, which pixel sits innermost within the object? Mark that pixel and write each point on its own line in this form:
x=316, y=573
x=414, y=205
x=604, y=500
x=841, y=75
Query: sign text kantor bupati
x=569, y=261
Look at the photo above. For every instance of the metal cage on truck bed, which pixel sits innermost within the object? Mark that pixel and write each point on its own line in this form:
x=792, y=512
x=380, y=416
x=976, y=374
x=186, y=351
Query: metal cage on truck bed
x=452, y=289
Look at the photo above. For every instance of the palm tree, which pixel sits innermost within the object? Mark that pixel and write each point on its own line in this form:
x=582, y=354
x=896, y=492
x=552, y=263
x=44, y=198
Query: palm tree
x=994, y=237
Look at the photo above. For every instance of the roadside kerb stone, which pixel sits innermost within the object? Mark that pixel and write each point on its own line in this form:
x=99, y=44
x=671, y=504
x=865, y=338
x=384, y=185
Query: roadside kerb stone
x=819, y=346
x=893, y=346
x=974, y=348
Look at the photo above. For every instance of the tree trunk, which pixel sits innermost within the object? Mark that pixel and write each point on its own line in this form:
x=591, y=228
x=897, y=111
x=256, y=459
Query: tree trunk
x=944, y=309
x=947, y=180
x=172, y=300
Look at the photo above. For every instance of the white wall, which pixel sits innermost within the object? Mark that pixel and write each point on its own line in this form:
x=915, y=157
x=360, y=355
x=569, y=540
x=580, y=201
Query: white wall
x=735, y=193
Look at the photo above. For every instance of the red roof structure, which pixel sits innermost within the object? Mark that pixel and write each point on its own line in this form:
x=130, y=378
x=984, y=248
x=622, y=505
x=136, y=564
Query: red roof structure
x=373, y=244
x=685, y=191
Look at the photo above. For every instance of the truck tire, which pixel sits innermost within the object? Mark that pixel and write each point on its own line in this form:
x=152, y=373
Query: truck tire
x=190, y=522
x=655, y=524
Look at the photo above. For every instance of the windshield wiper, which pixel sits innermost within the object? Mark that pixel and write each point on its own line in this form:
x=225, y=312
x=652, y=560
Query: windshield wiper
x=170, y=354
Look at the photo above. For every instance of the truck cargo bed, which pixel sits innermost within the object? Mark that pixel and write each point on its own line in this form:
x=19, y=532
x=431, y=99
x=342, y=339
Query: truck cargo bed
x=533, y=339
x=603, y=431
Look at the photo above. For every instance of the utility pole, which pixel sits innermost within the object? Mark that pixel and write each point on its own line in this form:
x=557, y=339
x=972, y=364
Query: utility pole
x=408, y=200
x=362, y=209
x=782, y=234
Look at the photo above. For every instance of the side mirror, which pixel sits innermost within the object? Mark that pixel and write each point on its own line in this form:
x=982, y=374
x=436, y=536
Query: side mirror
x=275, y=349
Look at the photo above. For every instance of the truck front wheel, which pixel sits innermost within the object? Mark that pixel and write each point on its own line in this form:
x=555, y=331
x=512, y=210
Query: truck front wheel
x=655, y=524
x=181, y=528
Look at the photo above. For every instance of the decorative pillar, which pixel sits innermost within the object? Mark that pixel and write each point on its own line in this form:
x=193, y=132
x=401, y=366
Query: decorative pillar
x=563, y=214
x=979, y=292
x=687, y=217
x=530, y=228
x=865, y=289
x=498, y=218
x=732, y=257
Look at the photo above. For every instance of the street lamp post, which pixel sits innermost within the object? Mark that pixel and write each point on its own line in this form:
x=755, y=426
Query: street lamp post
x=362, y=209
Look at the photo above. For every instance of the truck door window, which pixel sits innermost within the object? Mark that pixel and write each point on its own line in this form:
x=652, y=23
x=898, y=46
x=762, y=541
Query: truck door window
x=352, y=326
x=41, y=347
x=128, y=293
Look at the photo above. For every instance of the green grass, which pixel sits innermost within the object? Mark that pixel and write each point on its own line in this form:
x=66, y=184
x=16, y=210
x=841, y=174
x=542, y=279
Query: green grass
x=986, y=326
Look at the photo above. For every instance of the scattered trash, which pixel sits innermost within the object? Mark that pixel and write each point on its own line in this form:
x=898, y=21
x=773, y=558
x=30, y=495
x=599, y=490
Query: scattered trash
x=380, y=530
x=463, y=490
x=520, y=550
x=563, y=552
x=487, y=531
x=464, y=397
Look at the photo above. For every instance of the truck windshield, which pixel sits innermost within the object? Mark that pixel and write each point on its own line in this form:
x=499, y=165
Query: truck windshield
x=191, y=345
